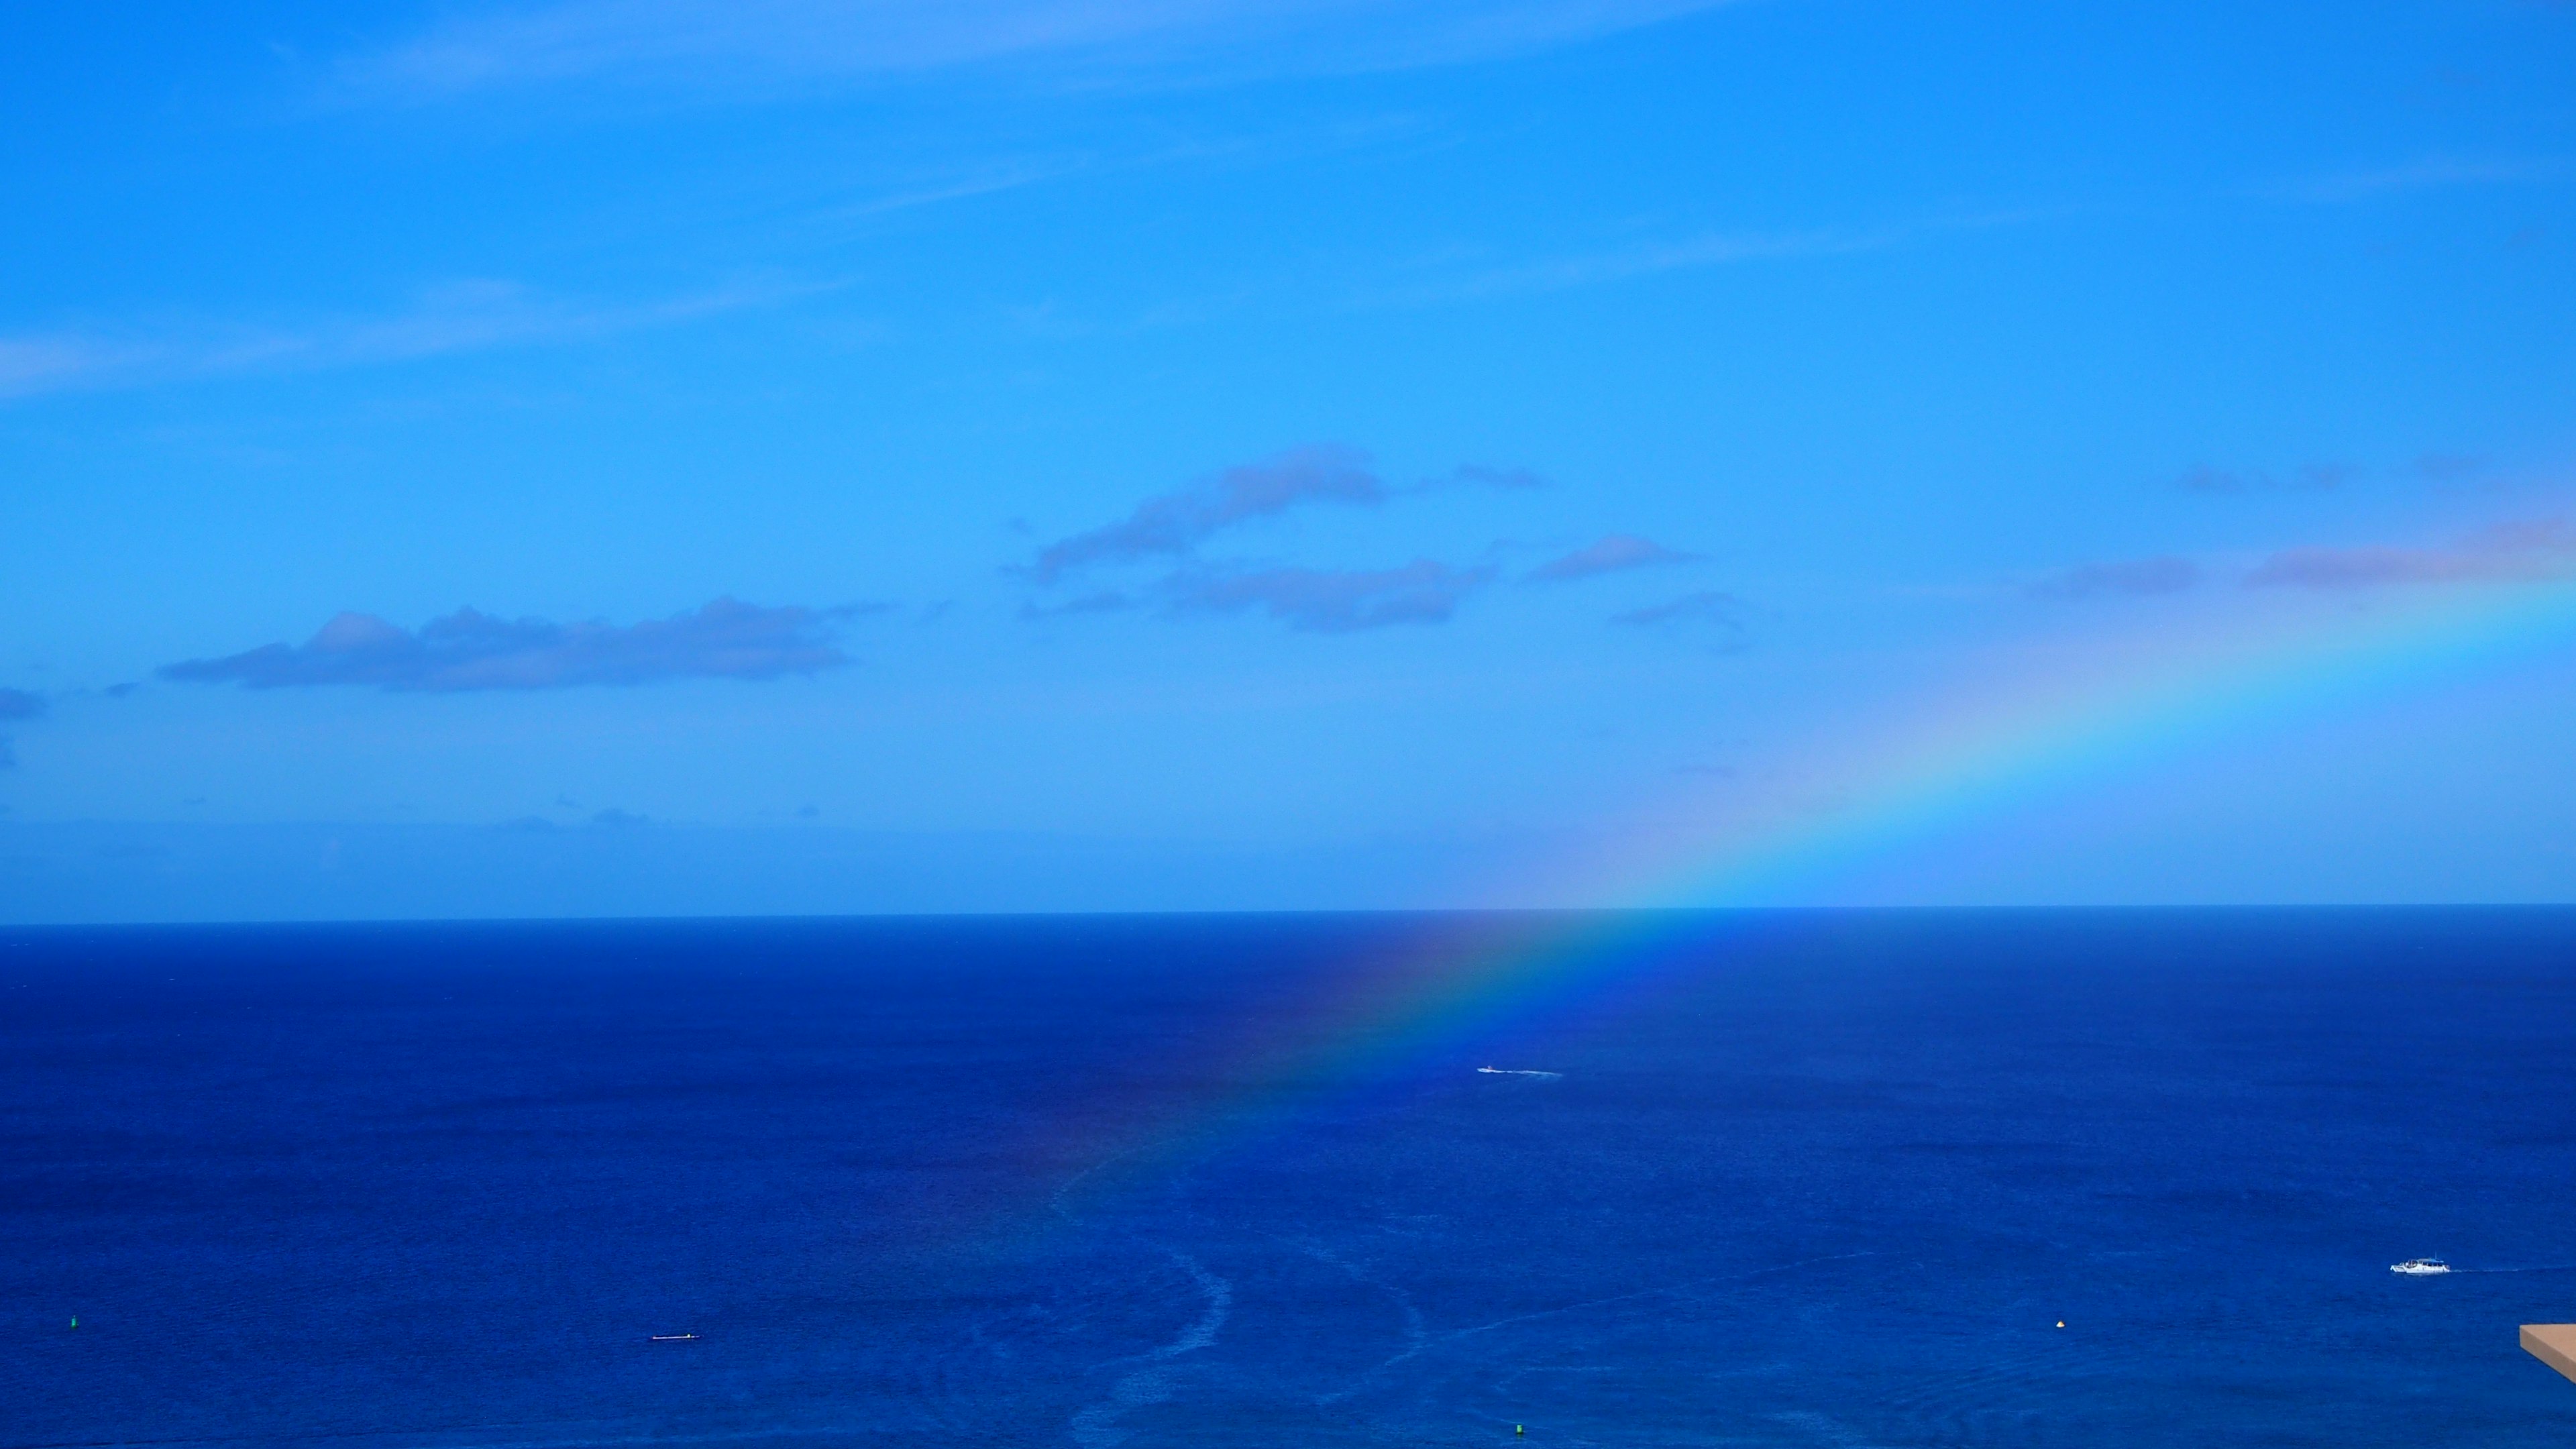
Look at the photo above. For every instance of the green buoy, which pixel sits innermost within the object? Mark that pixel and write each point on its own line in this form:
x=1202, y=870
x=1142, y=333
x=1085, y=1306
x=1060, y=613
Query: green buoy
x=75, y=1320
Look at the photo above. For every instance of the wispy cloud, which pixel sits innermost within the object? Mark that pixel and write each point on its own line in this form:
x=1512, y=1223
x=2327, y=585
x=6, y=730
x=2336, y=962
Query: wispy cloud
x=1172, y=524
x=41, y=364
x=2448, y=467
x=1721, y=617
x=1488, y=476
x=2130, y=577
x=2308, y=478
x=2421, y=174
x=1104, y=601
x=468, y=650
x=1331, y=601
x=1704, y=250
x=611, y=818
x=458, y=318
x=987, y=182
x=710, y=45
x=2523, y=552
x=1611, y=554
x=17, y=704
x=1170, y=528
x=1647, y=259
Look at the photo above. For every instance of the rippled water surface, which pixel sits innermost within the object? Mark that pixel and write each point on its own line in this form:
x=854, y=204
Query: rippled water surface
x=1793, y=1180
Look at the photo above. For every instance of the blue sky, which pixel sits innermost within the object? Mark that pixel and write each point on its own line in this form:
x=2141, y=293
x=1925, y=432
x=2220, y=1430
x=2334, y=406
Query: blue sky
x=1062, y=454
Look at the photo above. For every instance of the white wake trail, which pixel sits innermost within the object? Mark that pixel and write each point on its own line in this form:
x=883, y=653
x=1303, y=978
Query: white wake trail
x=1097, y=1427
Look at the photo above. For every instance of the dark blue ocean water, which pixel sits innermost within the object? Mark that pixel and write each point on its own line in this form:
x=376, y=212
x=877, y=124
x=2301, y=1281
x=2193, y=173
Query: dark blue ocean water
x=1813, y=1180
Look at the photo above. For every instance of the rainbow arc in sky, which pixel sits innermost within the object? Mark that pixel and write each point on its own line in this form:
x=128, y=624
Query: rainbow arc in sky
x=1938, y=771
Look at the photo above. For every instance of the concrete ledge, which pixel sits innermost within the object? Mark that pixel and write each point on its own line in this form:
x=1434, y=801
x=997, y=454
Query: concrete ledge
x=2553, y=1344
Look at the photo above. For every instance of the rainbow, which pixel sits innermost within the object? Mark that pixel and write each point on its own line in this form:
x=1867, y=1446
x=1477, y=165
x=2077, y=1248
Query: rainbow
x=2013, y=733
x=2092, y=709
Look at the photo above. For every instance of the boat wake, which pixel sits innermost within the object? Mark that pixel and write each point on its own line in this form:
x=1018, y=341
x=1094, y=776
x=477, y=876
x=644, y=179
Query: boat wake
x=1097, y=1427
x=2435, y=1267
x=1517, y=1072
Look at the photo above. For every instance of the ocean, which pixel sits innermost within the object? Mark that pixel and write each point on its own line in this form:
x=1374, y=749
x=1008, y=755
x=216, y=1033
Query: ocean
x=1797, y=1179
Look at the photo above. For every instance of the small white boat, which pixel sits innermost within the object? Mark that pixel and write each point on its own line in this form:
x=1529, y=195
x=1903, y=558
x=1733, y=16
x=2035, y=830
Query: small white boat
x=673, y=1337
x=2420, y=1267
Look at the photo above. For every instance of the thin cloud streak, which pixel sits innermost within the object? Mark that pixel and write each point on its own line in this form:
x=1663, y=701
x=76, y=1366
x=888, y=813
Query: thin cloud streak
x=1707, y=250
x=1507, y=480
x=706, y=45
x=2428, y=173
x=1721, y=619
x=2133, y=578
x=460, y=318
x=1705, y=605
x=472, y=651
x=1714, y=250
x=1107, y=601
x=1331, y=601
x=1613, y=553
x=2310, y=478
x=2536, y=551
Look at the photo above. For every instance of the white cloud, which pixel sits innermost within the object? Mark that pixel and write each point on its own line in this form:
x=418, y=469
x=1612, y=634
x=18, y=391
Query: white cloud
x=43, y=363
x=712, y=44
x=1709, y=249
x=461, y=317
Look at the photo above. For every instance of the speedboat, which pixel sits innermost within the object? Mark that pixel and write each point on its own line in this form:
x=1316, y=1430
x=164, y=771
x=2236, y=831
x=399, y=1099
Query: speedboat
x=2420, y=1267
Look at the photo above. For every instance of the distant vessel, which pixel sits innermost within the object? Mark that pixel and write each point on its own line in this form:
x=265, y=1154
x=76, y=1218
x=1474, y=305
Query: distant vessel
x=673, y=1337
x=2420, y=1267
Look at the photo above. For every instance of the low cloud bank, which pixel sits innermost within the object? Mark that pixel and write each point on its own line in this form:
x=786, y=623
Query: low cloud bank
x=470, y=650
x=2529, y=552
